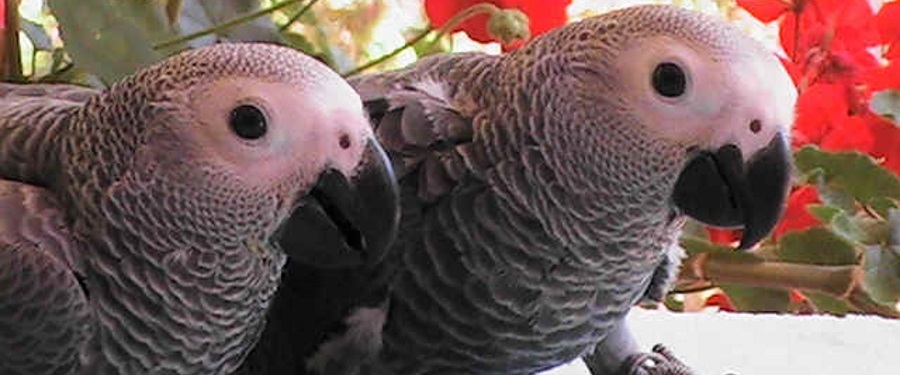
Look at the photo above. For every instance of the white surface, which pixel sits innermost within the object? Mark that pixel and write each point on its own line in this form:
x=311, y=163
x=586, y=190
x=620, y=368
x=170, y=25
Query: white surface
x=764, y=344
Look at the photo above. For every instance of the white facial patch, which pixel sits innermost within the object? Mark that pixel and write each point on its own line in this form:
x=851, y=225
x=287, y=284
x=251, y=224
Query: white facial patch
x=725, y=93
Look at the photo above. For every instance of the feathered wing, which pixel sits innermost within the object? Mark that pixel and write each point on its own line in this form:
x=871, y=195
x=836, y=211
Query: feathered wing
x=453, y=301
x=44, y=316
x=32, y=119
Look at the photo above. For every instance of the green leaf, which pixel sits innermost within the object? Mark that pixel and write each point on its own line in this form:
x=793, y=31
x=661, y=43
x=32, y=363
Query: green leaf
x=672, y=303
x=881, y=205
x=112, y=38
x=887, y=104
x=197, y=15
x=754, y=299
x=835, y=196
x=73, y=75
x=828, y=303
x=36, y=34
x=846, y=226
x=816, y=246
x=299, y=42
x=850, y=171
x=882, y=267
x=823, y=212
x=695, y=245
x=859, y=228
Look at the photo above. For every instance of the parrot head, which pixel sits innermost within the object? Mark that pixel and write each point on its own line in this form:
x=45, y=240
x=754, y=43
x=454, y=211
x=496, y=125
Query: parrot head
x=701, y=83
x=252, y=139
x=685, y=96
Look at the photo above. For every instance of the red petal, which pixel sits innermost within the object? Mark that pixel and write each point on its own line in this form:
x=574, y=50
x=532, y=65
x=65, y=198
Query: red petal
x=796, y=217
x=887, y=141
x=854, y=23
x=728, y=237
x=853, y=133
x=797, y=296
x=788, y=36
x=821, y=25
x=721, y=301
x=818, y=107
x=888, y=20
x=440, y=11
x=765, y=10
x=887, y=77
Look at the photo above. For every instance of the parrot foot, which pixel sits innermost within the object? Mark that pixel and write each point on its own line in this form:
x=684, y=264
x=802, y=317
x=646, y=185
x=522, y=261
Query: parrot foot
x=661, y=361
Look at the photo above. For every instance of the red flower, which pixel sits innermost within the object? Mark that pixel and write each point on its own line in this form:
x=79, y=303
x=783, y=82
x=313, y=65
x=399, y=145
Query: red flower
x=797, y=296
x=727, y=237
x=889, y=28
x=886, y=77
x=852, y=133
x=542, y=15
x=765, y=10
x=796, y=217
x=827, y=39
x=887, y=141
x=721, y=301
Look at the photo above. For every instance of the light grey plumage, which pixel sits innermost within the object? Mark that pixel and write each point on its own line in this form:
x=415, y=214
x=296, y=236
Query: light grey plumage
x=139, y=224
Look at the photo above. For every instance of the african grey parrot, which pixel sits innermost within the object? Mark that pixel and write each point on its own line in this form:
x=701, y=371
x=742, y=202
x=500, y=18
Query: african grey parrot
x=139, y=226
x=543, y=193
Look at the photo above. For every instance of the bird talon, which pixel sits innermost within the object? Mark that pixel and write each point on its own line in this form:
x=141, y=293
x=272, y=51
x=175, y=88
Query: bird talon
x=660, y=361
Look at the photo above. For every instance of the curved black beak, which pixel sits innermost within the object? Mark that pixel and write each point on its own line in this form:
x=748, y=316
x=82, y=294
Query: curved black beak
x=720, y=189
x=346, y=222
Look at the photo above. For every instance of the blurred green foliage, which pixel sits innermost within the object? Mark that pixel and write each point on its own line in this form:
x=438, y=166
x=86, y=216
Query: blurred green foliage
x=96, y=42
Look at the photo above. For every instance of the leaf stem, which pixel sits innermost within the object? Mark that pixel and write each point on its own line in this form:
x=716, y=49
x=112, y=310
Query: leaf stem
x=451, y=24
x=225, y=25
x=388, y=55
x=843, y=282
x=297, y=16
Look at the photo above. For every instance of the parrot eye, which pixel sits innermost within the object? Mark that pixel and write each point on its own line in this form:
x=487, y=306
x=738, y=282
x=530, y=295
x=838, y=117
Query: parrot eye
x=669, y=80
x=248, y=122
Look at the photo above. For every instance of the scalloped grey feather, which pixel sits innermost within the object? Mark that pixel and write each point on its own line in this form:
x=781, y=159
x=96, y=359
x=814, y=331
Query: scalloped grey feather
x=128, y=245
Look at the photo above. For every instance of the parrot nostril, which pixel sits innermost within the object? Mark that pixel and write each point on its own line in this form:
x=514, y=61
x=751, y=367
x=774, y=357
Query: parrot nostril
x=755, y=126
x=344, y=141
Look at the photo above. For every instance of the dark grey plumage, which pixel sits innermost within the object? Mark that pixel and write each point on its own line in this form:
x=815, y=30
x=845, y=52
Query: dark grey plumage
x=138, y=228
x=537, y=196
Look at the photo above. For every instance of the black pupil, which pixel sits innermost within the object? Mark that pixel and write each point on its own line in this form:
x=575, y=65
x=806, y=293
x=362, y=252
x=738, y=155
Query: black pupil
x=669, y=80
x=248, y=122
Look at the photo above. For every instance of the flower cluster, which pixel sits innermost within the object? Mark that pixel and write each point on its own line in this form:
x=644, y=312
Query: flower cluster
x=839, y=53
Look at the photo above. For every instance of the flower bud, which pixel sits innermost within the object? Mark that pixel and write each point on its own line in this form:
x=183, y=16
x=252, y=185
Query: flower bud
x=508, y=25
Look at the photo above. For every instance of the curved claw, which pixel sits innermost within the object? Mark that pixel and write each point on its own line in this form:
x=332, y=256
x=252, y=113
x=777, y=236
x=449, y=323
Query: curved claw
x=660, y=361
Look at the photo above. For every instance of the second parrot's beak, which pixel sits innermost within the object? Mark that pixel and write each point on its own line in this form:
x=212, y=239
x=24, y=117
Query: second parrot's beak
x=721, y=189
x=346, y=222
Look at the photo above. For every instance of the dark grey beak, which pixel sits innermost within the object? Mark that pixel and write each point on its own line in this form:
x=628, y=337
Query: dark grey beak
x=720, y=189
x=346, y=222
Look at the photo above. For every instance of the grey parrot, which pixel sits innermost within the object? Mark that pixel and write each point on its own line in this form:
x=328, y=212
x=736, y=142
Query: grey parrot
x=542, y=195
x=141, y=226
